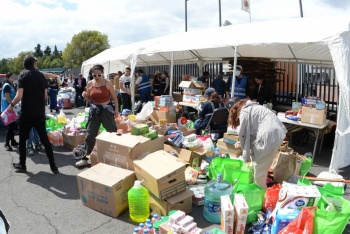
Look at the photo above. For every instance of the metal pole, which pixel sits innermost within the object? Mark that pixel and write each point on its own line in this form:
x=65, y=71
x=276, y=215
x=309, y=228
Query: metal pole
x=220, y=13
x=234, y=74
x=186, y=15
x=171, y=73
x=301, y=8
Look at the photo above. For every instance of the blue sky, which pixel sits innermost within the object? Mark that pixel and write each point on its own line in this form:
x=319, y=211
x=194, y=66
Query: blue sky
x=25, y=23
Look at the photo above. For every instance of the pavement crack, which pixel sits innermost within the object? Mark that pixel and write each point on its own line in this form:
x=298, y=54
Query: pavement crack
x=26, y=208
x=92, y=231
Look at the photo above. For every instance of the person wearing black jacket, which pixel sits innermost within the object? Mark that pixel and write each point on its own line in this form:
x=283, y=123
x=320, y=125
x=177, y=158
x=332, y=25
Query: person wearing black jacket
x=263, y=91
x=32, y=90
x=79, y=86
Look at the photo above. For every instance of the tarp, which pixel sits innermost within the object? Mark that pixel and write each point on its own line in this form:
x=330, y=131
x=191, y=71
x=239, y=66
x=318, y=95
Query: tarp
x=319, y=41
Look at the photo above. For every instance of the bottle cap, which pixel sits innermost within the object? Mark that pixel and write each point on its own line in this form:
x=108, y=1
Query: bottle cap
x=137, y=183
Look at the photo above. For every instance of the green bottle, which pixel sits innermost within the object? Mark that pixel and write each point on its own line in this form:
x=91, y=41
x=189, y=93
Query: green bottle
x=138, y=199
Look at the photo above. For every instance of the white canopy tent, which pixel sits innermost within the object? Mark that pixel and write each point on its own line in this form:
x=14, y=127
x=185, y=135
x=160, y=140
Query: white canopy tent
x=319, y=41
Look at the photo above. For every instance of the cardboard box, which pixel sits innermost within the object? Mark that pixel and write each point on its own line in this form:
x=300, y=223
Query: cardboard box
x=157, y=115
x=313, y=116
x=164, y=228
x=181, y=201
x=187, y=131
x=241, y=213
x=227, y=214
x=105, y=188
x=186, y=155
x=230, y=138
x=162, y=174
x=72, y=141
x=122, y=150
x=228, y=148
x=192, y=85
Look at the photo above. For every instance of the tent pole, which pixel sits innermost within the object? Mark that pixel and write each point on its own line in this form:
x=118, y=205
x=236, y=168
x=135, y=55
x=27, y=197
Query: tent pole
x=233, y=75
x=171, y=73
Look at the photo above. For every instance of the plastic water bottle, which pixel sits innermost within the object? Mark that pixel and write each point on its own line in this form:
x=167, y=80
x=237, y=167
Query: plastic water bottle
x=150, y=228
x=212, y=202
x=138, y=202
x=136, y=230
x=155, y=218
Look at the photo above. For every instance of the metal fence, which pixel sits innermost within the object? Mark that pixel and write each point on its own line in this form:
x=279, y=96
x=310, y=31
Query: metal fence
x=294, y=81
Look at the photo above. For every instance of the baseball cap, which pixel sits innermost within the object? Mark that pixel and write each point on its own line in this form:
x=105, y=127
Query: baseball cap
x=209, y=91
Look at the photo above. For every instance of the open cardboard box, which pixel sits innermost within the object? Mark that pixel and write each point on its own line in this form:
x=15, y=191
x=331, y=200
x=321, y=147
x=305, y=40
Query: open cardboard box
x=187, y=155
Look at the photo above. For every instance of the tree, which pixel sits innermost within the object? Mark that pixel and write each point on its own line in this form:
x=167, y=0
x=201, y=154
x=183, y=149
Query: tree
x=57, y=62
x=83, y=46
x=18, y=62
x=56, y=53
x=37, y=51
x=5, y=65
x=47, y=51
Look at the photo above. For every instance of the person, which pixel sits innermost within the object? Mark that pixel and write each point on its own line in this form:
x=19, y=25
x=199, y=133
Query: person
x=219, y=84
x=212, y=102
x=116, y=86
x=165, y=82
x=204, y=78
x=7, y=95
x=100, y=91
x=262, y=90
x=32, y=90
x=260, y=135
x=125, y=92
x=53, y=91
x=70, y=81
x=241, y=84
x=79, y=86
x=156, y=90
x=34, y=138
x=144, y=86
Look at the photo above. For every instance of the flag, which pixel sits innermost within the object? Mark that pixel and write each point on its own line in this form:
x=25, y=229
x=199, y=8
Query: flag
x=246, y=5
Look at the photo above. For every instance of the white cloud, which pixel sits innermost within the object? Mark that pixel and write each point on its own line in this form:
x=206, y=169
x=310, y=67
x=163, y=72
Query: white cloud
x=26, y=23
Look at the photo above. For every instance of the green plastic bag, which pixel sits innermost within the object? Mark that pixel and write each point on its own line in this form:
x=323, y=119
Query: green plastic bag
x=254, y=196
x=229, y=168
x=52, y=124
x=328, y=221
x=305, y=166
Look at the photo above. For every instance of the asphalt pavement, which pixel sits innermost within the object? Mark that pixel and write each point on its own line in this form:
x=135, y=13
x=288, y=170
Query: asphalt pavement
x=40, y=202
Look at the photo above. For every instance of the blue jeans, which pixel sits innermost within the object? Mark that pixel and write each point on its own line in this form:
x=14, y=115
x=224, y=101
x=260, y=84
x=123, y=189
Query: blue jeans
x=145, y=96
x=53, y=98
x=33, y=136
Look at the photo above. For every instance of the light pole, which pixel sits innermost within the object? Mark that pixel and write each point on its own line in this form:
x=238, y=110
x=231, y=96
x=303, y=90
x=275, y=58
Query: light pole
x=186, y=15
x=301, y=8
x=220, y=13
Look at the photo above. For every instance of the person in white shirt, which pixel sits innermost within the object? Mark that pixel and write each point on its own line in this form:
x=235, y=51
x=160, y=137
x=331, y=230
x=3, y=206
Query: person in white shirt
x=124, y=85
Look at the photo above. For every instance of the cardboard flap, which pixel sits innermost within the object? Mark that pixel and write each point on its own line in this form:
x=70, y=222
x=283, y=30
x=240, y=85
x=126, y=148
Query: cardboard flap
x=159, y=163
x=180, y=197
x=105, y=174
x=127, y=140
x=185, y=84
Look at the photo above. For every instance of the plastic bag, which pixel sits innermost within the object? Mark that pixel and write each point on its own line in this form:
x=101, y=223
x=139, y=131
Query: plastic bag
x=8, y=117
x=305, y=165
x=304, y=224
x=254, y=196
x=146, y=111
x=333, y=213
x=229, y=168
x=271, y=197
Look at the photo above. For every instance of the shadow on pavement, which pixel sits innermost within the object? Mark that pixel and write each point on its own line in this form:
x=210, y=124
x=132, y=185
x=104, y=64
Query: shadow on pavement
x=61, y=185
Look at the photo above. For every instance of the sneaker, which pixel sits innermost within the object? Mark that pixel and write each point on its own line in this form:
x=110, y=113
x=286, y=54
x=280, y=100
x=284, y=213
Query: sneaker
x=39, y=147
x=54, y=169
x=30, y=151
x=8, y=147
x=81, y=163
x=20, y=168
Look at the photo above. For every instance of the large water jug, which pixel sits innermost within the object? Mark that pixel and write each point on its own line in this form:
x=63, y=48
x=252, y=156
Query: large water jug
x=138, y=203
x=212, y=202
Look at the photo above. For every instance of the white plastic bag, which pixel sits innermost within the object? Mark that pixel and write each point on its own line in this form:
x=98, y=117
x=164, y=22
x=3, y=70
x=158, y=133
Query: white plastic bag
x=146, y=111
